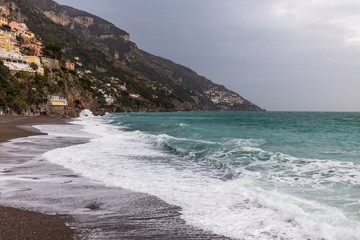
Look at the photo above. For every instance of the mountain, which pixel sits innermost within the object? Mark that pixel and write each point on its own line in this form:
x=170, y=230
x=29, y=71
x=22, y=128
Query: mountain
x=115, y=67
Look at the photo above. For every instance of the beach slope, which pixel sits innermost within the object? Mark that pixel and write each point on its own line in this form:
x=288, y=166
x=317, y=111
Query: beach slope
x=20, y=223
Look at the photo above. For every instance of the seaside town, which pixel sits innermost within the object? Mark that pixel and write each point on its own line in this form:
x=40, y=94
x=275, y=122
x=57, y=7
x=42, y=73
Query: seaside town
x=22, y=51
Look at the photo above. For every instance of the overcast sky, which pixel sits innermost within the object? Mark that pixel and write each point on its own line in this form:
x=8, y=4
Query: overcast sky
x=280, y=54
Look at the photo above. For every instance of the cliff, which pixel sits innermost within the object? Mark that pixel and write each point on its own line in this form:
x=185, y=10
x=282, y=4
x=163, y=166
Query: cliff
x=118, y=75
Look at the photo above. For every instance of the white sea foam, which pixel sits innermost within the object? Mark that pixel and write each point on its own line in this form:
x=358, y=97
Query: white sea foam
x=86, y=113
x=244, y=208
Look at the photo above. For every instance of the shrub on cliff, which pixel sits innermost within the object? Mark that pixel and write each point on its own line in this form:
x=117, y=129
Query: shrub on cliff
x=53, y=50
x=10, y=88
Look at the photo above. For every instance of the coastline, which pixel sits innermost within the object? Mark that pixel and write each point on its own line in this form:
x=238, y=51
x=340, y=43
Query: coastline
x=85, y=207
x=18, y=223
x=14, y=126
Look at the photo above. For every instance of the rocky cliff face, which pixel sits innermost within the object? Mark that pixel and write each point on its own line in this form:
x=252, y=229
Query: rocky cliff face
x=28, y=94
x=134, y=79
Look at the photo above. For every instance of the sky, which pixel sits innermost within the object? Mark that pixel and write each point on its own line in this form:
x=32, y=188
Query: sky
x=283, y=55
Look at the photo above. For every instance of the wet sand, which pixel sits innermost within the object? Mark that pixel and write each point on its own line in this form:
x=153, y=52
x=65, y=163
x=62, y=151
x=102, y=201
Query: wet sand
x=89, y=209
x=12, y=126
x=20, y=223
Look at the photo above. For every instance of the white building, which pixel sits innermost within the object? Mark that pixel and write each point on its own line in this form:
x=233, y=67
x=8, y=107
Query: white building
x=15, y=61
x=57, y=101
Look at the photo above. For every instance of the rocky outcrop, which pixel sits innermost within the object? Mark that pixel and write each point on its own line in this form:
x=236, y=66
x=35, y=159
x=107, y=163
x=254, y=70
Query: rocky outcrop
x=52, y=64
x=84, y=21
x=60, y=18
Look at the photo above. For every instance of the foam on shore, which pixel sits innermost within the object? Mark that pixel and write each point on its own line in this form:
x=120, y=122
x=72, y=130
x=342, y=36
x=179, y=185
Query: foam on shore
x=100, y=212
x=240, y=208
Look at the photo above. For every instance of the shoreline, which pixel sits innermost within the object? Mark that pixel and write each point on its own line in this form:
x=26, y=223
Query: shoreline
x=14, y=126
x=90, y=208
x=19, y=223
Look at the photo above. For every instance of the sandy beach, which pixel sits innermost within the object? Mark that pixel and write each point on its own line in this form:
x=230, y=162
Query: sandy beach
x=20, y=223
x=12, y=126
x=75, y=207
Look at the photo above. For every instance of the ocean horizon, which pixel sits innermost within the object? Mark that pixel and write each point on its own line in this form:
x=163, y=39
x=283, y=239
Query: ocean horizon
x=244, y=175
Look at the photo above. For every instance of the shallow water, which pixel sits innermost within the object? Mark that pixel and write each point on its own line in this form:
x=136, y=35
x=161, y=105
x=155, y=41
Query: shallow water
x=271, y=175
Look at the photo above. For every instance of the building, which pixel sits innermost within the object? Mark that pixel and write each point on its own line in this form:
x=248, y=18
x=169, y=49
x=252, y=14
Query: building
x=5, y=40
x=15, y=62
x=57, y=101
x=32, y=49
x=109, y=99
x=35, y=59
x=8, y=42
x=18, y=28
x=27, y=35
x=69, y=65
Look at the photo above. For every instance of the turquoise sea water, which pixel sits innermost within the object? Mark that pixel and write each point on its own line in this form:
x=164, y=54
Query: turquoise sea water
x=247, y=175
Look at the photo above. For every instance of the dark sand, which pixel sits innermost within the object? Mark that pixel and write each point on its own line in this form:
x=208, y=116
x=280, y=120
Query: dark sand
x=22, y=224
x=19, y=126
x=92, y=210
x=19, y=223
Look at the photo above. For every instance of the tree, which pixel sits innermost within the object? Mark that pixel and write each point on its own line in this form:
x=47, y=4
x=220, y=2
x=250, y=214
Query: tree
x=54, y=48
x=34, y=66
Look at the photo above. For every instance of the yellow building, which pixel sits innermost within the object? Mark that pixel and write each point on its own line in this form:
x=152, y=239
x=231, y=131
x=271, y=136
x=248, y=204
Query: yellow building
x=36, y=60
x=57, y=101
x=28, y=35
x=7, y=42
x=69, y=65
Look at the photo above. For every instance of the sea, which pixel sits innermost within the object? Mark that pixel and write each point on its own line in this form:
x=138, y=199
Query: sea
x=244, y=175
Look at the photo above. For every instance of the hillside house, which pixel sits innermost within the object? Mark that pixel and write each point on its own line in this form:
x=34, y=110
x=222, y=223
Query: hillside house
x=109, y=99
x=5, y=40
x=8, y=42
x=32, y=49
x=57, y=101
x=37, y=61
x=69, y=65
x=15, y=62
x=18, y=27
x=28, y=36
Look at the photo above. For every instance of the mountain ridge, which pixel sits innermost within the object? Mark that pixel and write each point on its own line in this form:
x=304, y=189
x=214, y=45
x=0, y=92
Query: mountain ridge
x=152, y=83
